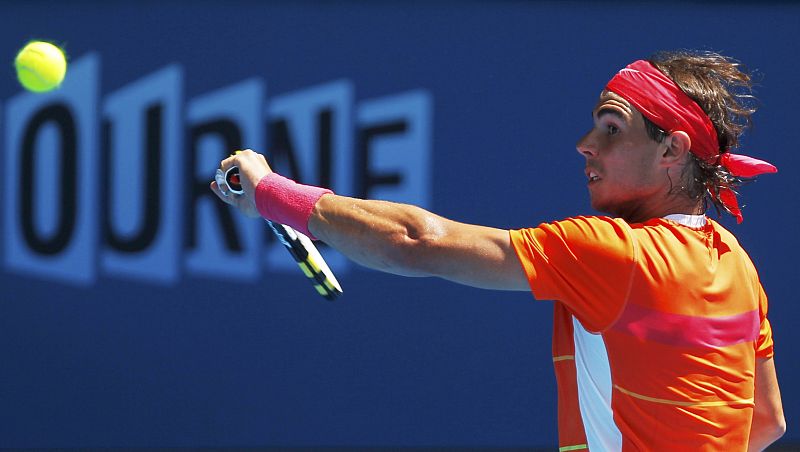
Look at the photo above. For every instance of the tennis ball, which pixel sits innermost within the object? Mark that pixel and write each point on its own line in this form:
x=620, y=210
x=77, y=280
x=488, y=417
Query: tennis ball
x=41, y=66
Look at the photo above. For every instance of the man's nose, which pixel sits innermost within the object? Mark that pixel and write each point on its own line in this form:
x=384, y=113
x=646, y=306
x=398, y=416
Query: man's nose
x=586, y=146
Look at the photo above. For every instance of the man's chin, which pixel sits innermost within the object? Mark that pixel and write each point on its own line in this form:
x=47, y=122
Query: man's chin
x=602, y=207
x=597, y=204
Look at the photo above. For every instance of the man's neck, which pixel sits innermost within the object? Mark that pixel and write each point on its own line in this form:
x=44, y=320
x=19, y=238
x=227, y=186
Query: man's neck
x=673, y=205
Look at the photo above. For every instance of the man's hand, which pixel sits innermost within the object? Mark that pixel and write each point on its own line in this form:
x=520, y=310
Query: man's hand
x=252, y=168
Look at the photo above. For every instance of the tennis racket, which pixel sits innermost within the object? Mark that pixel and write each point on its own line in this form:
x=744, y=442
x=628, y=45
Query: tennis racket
x=299, y=245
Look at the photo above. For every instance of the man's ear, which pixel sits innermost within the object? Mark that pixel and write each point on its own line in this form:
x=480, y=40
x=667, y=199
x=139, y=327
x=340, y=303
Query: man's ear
x=676, y=146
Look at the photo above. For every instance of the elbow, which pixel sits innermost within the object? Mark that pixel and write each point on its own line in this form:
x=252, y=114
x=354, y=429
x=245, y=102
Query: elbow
x=776, y=430
x=779, y=427
x=415, y=250
x=417, y=256
x=771, y=428
x=777, y=424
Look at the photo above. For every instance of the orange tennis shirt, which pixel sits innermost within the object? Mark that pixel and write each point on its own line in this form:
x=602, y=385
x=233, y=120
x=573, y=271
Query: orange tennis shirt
x=657, y=327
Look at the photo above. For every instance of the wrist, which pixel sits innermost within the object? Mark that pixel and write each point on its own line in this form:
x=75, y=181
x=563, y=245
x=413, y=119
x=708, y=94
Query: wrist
x=284, y=201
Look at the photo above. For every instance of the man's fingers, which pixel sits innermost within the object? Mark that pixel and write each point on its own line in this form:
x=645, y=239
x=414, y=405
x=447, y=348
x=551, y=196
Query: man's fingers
x=237, y=159
x=220, y=194
x=248, y=161
x=228, y=163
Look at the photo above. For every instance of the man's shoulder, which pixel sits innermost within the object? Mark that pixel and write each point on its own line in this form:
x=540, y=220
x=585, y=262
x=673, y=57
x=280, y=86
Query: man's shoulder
x=591, y=232
x=591, y=221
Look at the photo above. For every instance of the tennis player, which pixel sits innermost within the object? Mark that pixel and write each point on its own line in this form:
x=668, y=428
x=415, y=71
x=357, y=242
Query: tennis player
x=661, y=339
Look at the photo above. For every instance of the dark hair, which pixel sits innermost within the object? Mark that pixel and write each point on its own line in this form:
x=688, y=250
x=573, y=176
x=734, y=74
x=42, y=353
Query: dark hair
x=723, y=89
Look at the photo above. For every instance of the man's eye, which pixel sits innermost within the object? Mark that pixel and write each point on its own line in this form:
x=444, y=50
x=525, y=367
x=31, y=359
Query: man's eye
x=612, y=130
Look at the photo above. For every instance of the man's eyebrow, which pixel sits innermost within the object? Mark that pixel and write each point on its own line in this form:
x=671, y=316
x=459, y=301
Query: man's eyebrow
x=608, y=111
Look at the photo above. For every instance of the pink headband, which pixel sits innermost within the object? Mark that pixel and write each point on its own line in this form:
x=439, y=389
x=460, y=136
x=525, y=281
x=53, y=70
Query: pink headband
x=661, y=101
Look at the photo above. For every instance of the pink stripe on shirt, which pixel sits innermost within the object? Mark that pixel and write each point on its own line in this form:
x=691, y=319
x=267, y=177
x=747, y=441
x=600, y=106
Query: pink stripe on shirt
x=685, y=330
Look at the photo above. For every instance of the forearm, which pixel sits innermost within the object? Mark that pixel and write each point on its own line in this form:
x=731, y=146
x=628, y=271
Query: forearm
x=377, y=234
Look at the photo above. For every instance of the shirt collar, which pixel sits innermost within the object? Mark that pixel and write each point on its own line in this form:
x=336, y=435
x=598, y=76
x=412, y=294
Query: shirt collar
x=692, y=221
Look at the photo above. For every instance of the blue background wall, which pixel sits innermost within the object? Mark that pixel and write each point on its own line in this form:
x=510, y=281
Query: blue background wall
x=160, y=353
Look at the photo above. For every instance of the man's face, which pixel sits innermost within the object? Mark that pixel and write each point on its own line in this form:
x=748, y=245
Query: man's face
x=625, y=178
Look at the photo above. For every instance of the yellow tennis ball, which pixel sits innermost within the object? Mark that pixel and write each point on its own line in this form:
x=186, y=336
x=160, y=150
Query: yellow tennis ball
x=41, y=66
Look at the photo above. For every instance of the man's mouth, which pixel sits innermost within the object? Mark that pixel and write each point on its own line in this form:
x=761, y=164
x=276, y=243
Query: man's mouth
x=592, y=175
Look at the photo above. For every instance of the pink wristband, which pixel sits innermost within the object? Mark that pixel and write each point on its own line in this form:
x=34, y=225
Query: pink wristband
x=285, y=201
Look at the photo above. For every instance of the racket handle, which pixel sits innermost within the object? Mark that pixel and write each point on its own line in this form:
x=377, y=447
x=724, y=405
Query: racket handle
x=233, y=180
x=309, y=259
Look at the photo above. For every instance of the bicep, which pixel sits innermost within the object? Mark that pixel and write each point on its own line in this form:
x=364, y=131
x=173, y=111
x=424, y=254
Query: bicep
x=477, y=256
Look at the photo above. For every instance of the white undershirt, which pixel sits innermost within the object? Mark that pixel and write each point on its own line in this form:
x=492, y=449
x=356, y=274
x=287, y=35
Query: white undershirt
x=692, y=221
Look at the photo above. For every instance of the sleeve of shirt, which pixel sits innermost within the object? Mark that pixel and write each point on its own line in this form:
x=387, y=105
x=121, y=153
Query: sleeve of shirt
x=764, y=345
x=587, y=263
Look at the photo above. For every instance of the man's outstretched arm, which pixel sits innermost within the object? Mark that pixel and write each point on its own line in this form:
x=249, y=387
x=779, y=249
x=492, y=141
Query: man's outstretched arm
x=410, y=241
x=392, y=237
